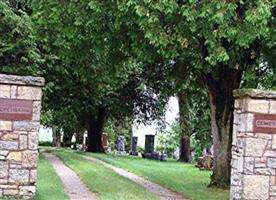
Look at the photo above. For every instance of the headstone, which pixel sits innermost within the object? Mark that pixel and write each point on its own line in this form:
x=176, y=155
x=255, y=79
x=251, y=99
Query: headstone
x=121, y=144
x=254, y=145
x=149, y=144
x=149, y=150
x=20, y=104
x=134, y=141
x=105, y=141
x=205, y=162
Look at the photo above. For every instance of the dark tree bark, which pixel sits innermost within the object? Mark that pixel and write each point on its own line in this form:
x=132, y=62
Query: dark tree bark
x=95, y=129
x=185, y=150
x=67, y=139
x=185, y=146
x=79, y=137
x=56, y=137
x=222, y=107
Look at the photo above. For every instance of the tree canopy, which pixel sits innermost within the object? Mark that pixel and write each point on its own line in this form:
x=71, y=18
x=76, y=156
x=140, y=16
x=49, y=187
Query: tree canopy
x=18, y=50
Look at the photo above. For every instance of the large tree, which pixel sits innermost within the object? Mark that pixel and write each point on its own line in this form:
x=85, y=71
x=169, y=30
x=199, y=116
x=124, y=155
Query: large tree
x=88, y=64
x=18, y=50
x=220, y=40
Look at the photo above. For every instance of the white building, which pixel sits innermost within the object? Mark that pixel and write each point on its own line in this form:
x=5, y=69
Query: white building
x=140, y=130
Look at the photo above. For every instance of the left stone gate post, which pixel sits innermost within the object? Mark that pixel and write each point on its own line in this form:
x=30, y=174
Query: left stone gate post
x=20, y=104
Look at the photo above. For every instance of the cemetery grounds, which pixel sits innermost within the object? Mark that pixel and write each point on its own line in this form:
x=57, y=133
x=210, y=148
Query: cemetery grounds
x=184, y=179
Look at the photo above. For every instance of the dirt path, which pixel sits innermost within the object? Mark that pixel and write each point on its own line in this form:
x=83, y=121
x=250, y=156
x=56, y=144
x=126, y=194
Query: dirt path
x=73, y=186
x=156, y=189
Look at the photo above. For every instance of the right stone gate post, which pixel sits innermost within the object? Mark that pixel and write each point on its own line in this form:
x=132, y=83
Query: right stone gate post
x=253, y=174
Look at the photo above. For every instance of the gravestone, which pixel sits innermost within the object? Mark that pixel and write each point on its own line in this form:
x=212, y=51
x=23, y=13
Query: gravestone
x=20, y=104
x=254, y=146
x=149, y=150
x=149, y=144
x=121, y=144
x=134, y=141
x=105, y=142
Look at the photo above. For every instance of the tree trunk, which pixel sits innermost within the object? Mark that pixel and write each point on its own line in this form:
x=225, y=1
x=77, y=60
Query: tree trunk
x=95, y=129
x=67, y=139
x=221, y=98
x=79, y=137
x=56, y=137
x=185, y=146
x=185, y=150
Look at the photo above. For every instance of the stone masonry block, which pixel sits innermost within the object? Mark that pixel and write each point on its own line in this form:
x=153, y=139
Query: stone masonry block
x=33, y=176
x=255, y=147
x=26, y=126
x=4, y=166
x=29, y=159
x=271, y=162
x=36, y=110
x=19, y=176
x=27, y=190
x=23, y=141
x=246, y=122
x=13, y=92
x=256, y=187
x=33, y=141
x=5, y=126
x=272, y=109
x=29, y=93
x=274, y=142
x=15, y=156
x=8, y=145
x=257, y=106
x=5, y=91
x=9, y=137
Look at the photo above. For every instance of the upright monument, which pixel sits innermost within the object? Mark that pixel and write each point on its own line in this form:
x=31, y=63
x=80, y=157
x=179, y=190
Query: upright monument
x=20, y=104
x=253, y=174
x=121, y=144
x=149, y=144
x=134, y=141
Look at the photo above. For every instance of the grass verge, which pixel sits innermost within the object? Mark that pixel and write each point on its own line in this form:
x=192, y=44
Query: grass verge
x=49, y=184
x=183, y=178
x=103, y=181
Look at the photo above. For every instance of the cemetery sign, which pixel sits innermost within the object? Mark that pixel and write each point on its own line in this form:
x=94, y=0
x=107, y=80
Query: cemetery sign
x=264, y=123
x=16, y=110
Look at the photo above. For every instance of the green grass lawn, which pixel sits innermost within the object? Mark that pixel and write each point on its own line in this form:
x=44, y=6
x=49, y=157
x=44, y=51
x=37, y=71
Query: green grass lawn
x=49, y=186
x=183, y=178
x=102, y=180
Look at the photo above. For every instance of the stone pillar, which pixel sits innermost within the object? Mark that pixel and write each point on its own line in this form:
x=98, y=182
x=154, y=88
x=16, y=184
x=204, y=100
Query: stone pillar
x=253, y=174
x=149, y=144
x=20, y=104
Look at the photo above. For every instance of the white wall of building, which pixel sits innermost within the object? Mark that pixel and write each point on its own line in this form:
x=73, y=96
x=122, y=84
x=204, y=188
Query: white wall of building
x=140, y=130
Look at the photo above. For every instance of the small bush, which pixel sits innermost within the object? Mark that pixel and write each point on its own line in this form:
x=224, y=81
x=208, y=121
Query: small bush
x=45, y=143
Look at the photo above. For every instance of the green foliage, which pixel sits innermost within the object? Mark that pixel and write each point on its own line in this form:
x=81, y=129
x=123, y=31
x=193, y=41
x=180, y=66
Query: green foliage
x=89, y=66
x=18, y=50
x=168, y=139
x=227, y=30
x=115, y=128
x=200, y=122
